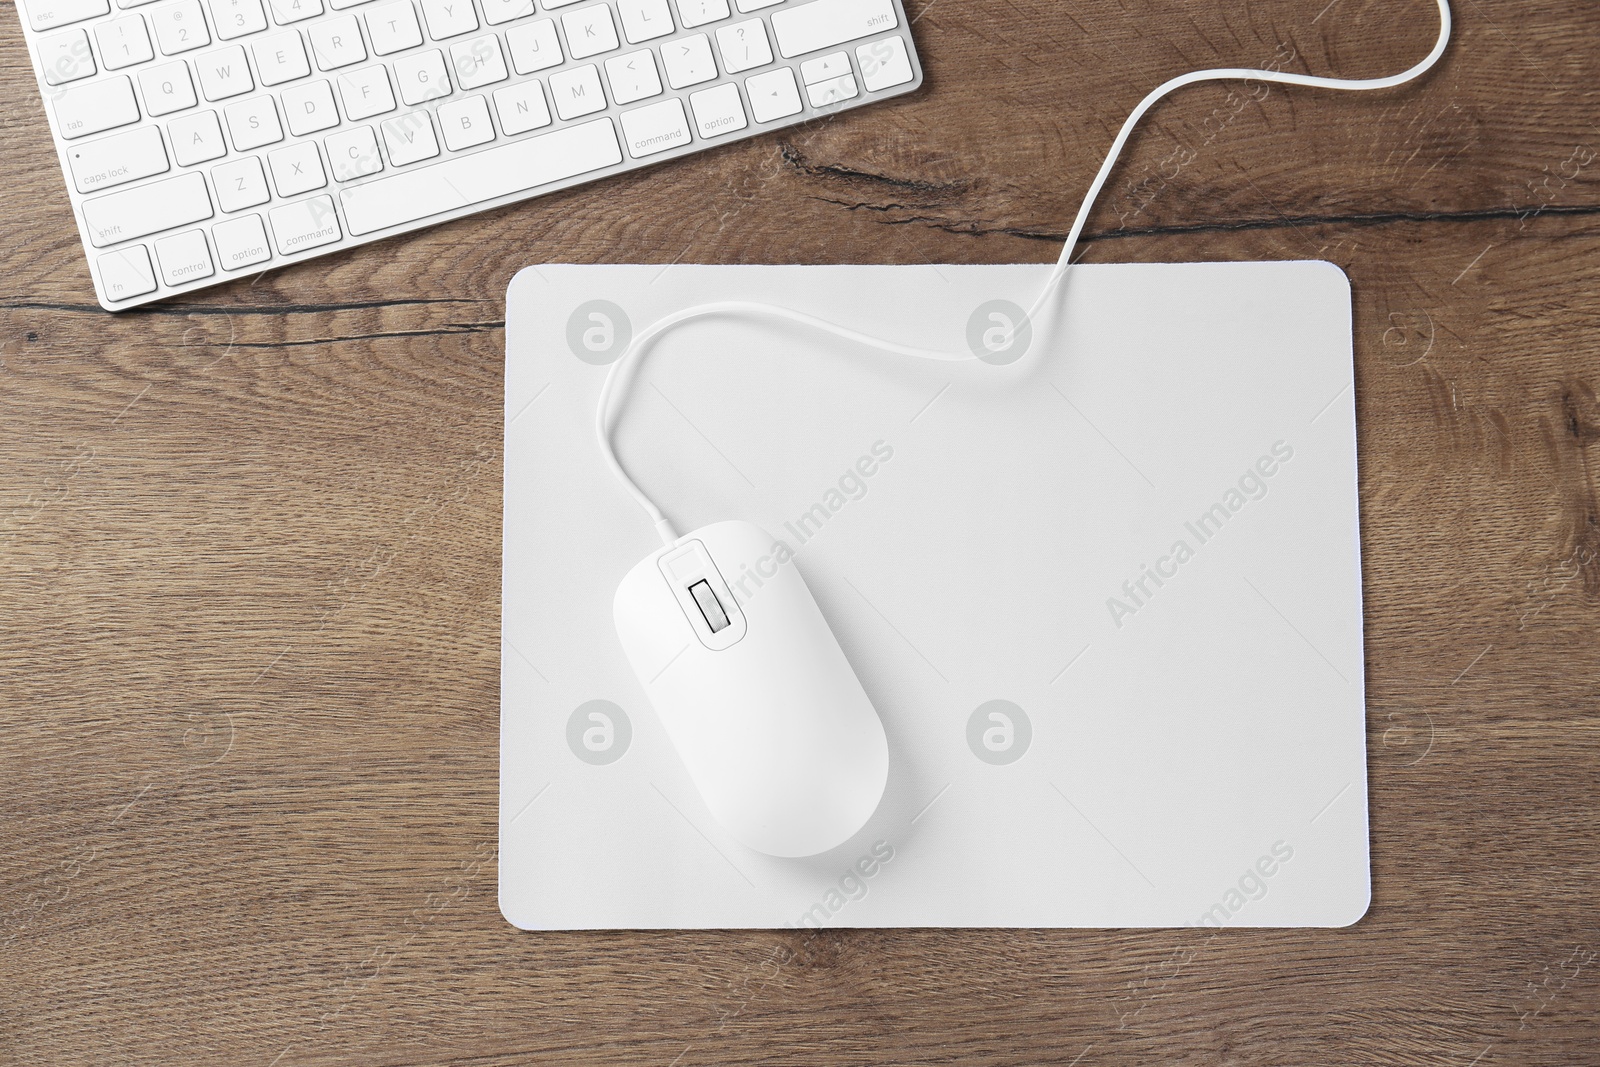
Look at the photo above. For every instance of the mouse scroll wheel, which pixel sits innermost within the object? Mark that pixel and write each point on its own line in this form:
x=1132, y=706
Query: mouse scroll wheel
x=710, y=607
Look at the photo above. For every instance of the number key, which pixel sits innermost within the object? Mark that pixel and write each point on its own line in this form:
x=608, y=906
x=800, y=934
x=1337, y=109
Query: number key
x=123, y=42
x=180, y=27
x=235, y=18
x=286, y=11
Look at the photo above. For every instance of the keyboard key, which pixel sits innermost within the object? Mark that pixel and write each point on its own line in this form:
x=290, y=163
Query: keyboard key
x=422, y=77
x=309, y=108
x=694, y=13
x=521, y=108
x=241, y=242
x=125, y=4
x=120, y=158
x=644, y=20
x=310, y=223
x=166, y=88
x=589, y=31
x=180, y=27
x=773, y=94
x=465, y=123
x=393, y=27
x=409, y=138
x=551, y=5
x=717, y=110
x=449, y=18
x=823, y=24
x=744, y=46
x=497, y=12
x=829, y=66
x=353, y=153
x=253, y=123
x=533, y=46
x=340, y=5
x=466, y=180
x=337, y=43
x=240, y=183
x=648, y=130
x=884, y=63
x=745, y=6
x=126, y=273
x=95, y=106
x=280, y=58
x=832, y=91
x=633, y=76
x=184, y=257
x=285, y=12
x=688, y=61
x=296, y=169
x=196, y=138
x=65, y=57
x=577, y=92
x=235, y=18
x=124, y=42
x=478, y=61
x=223, y=73
x=48, y=14
x=147, y=209
x=365, y=92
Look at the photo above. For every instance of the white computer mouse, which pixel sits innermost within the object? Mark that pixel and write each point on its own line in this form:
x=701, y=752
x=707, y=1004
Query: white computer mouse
x=753, y=689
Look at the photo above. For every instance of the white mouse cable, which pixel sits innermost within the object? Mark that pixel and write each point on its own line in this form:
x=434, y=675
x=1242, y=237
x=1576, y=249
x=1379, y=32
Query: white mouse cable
x=665, y=529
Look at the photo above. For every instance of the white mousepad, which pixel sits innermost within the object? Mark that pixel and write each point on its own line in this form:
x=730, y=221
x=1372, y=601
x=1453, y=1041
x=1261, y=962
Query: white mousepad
x=1105, y=597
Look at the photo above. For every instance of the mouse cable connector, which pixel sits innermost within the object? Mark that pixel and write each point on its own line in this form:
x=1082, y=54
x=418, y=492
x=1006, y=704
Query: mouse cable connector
x=755, y=309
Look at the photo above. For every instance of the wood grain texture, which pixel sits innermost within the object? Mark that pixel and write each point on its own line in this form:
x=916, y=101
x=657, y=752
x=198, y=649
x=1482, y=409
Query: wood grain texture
x=249, y=571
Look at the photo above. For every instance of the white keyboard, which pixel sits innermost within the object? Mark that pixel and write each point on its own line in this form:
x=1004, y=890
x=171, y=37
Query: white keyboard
x=204, y=139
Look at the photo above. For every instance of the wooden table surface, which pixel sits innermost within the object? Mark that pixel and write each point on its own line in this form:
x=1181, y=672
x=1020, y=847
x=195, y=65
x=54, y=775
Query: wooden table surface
x=250, y=565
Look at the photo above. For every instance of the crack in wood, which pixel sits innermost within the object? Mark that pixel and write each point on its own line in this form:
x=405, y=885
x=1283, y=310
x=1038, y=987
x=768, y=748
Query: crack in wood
x=240, y=309
x=977, y=228
x=454, y=329
x=840, y=172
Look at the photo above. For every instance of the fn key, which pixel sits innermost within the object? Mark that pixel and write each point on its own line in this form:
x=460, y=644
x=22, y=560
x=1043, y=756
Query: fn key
x=126, y=273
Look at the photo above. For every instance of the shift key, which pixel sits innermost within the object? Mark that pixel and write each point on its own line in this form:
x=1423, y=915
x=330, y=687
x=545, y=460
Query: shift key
x=147, y=209
x=825, y=23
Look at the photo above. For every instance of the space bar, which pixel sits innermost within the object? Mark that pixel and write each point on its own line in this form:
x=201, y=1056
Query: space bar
x=467, y=180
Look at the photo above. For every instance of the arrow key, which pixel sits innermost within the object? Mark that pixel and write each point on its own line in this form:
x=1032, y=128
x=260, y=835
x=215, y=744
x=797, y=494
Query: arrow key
x=832, y=91
x=821, y=70
x=774, y=95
